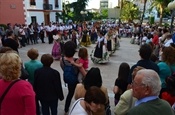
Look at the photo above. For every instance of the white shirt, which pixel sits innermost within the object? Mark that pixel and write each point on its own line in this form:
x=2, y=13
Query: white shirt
x=77, y=109
x=168, y=42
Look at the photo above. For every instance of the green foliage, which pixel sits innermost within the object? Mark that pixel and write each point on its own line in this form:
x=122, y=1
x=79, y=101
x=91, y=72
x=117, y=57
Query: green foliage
x=161, y=6
x=130, y=11
x=3, y=26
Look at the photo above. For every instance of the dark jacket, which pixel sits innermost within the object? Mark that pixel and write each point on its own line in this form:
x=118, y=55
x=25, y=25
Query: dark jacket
x=47, y=84
x=147, y=64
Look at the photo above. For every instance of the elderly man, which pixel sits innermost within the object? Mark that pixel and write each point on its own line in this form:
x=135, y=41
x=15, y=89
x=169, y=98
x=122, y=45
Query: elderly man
x=146, y=88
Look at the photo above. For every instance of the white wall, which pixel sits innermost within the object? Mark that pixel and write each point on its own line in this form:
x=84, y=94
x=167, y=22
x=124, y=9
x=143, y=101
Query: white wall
x=40, y=15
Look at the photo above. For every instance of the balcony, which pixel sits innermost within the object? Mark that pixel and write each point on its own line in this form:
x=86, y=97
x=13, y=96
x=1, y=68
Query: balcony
x=47, y=7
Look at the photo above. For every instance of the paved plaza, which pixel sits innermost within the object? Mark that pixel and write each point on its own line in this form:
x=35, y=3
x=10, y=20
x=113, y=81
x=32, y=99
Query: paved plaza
x=126, y=53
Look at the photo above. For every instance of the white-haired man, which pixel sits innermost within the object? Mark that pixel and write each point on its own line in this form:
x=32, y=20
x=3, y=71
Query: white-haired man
x=146, y=88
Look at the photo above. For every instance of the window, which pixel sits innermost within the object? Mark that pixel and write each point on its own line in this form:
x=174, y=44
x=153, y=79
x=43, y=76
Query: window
x=56, y=4
x=33, y=19
x=32, y=2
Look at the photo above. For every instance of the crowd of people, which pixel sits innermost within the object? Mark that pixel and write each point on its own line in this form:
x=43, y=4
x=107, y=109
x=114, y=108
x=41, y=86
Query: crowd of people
x=145, y=88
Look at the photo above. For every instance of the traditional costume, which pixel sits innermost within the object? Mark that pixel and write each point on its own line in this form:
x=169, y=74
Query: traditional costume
x=56, y=49
x=100, y=54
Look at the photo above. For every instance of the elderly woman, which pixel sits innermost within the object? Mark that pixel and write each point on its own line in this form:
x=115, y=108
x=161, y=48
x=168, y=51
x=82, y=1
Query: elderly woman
x=20, y=99
x=32, y=64
x=93, y=78
x=167, y=65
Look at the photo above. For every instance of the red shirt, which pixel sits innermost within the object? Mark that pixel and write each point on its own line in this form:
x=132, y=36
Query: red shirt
x=155, y=40
x=20, y=100
x=170, y=99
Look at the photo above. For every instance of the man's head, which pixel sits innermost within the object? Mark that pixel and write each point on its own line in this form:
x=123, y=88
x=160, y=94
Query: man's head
x=145, y=51
x=146, y=83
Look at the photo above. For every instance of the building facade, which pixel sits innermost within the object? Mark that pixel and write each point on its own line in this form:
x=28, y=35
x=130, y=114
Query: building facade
x=29, y=11
x=103, y=4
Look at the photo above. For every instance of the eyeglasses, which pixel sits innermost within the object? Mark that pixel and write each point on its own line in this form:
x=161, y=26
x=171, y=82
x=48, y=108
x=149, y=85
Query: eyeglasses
x=137, y=84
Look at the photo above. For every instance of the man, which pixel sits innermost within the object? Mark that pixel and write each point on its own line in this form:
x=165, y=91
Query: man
x=145, y=62
x=146, y=88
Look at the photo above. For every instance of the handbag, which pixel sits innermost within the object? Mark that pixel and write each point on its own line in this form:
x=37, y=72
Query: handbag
x=6, y=91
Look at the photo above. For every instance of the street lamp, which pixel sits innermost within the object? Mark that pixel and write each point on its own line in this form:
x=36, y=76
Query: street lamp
x=83, y=13
x=171, y=6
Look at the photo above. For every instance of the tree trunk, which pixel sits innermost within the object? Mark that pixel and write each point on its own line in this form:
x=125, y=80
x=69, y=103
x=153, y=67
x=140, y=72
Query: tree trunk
x=161, y=15
x=144, y=7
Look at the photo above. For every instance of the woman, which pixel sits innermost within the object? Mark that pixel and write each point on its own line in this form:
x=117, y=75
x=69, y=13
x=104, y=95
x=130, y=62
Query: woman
x=69, y=51
x=100, y=54
x=47, y=85
x=11, y=42
x=93, y=100
x=85, y=38
x=33, y=64
x=93, y=78
x=20, y=99
x=167, y=65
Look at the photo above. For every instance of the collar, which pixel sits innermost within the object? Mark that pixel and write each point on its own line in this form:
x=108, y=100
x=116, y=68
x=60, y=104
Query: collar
x=146, y=99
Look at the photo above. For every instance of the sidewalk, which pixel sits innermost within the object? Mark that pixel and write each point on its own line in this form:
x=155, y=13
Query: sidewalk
x=126, y=53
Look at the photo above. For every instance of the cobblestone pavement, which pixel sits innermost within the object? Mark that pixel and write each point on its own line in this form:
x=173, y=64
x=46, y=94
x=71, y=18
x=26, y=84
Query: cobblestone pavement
x=126, y=53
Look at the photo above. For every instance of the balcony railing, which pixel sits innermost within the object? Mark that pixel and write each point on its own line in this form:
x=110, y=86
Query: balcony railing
x=47, y=7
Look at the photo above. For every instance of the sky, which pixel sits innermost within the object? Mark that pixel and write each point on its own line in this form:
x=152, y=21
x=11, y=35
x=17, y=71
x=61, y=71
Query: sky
x=91, y=4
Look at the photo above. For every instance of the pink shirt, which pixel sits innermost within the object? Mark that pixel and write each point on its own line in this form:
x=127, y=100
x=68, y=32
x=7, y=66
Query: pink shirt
x=20, y=100
x=84, y=62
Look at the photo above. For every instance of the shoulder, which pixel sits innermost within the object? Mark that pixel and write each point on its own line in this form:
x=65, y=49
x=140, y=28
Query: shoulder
x=79, y=86
x=24, y=86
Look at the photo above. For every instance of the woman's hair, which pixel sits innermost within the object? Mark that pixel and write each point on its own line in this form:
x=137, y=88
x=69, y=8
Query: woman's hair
x=83, y=53
x=69, y=49
x=168, y=55
x=33, y=54
x=170, y=83
x=10, y=68
x=93, y=78
x=46, y=60
x=95, y=94
x=124, y=70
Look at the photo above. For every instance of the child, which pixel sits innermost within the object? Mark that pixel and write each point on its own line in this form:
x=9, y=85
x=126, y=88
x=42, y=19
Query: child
x=82, y=62
x=121, y=82
x=56, y=49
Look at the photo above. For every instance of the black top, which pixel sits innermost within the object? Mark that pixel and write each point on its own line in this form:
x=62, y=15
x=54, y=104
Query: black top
x=122, y=85
x=147, y=64
x=47, y=84
x=11, y=43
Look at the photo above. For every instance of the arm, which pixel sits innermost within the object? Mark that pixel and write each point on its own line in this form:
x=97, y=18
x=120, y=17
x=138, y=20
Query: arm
x=77, y=64
x=29, y=100
x=124, y=103
x=115, y=89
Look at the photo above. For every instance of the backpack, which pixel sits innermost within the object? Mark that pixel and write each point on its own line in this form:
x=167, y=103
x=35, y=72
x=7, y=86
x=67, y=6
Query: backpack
x=69, y=73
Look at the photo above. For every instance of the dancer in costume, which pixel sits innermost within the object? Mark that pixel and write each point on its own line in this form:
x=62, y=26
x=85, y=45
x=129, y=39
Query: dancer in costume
x=85, y=38
x=110, y=41
x=56, y=49
x=100, y=54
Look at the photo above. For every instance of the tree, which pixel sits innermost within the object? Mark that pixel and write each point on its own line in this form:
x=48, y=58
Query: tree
x=130, y=11
x=78, y=6
x=160, y=6
x=144, y=8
